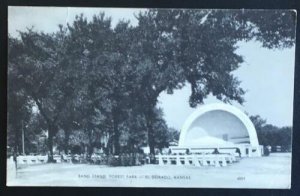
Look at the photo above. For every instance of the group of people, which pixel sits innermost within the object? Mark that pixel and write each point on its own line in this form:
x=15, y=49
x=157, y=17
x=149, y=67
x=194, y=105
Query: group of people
x=124, y=159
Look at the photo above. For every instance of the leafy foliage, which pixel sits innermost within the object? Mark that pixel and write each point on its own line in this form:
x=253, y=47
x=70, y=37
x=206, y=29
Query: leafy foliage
x=90, y=80
x=270, y=135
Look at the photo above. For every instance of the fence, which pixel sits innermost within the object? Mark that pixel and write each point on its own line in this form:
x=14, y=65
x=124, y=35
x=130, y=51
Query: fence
x=216, y=160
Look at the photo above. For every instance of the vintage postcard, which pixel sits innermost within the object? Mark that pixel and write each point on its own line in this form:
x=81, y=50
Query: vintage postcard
x=127, y=97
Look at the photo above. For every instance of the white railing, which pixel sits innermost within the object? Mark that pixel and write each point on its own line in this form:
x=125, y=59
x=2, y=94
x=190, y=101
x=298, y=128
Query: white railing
x=198, y=160
x=194, y=150
x=32, y=159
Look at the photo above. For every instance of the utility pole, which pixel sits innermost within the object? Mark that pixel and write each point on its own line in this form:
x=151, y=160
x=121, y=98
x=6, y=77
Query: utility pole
x=23, y=139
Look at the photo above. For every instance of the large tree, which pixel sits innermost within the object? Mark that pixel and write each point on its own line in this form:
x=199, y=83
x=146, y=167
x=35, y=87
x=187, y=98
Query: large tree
x=38, y=60
x=20, y=107
x=101, y=56
x=199, y=47
x=88, y=51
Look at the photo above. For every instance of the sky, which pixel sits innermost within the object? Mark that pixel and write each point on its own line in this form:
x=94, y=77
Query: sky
x=266, y=74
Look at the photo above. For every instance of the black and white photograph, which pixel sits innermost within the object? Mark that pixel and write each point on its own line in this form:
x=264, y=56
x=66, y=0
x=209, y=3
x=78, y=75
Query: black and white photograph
x=150, y=97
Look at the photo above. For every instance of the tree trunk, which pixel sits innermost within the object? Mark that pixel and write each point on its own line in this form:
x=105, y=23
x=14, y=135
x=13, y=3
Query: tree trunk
x=150, y=136
x=116, y=133
x=90, y=146
x=116, y=140
x=108, y=149
x=17, y=142
x=50, y=145
x=51, y=132
x=149, y=118
x=66, y=141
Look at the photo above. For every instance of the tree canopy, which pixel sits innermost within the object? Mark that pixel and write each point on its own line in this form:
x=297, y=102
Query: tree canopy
x=105, y=81
x=270, y=135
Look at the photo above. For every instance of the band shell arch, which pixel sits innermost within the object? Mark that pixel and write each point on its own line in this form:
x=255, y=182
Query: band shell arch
x=225, y=123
